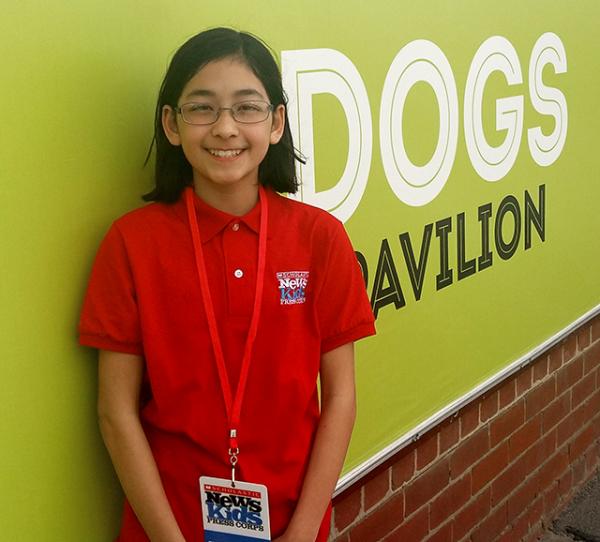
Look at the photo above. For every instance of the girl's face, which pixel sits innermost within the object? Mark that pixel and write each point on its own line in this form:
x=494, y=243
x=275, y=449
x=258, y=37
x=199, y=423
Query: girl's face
x=225, y=155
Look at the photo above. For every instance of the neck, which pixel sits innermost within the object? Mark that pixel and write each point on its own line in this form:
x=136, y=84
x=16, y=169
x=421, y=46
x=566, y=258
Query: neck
x=235, y=201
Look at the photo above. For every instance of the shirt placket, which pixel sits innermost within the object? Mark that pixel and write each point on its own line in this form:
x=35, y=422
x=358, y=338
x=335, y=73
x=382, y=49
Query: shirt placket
x=240, y=244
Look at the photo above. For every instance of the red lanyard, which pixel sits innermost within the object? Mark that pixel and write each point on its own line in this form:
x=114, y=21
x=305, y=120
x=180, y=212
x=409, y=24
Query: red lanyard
x=233, y=412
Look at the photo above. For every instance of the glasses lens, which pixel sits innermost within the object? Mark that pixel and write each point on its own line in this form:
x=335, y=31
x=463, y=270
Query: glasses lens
x=198, y=113
x=250, y=111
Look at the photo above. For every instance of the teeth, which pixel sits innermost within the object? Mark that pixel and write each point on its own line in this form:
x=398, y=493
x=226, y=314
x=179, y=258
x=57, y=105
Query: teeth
x=225, y=154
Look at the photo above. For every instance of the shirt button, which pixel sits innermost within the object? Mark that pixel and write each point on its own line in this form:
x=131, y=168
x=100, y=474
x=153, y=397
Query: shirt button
x=235, y=227
x=238, y=273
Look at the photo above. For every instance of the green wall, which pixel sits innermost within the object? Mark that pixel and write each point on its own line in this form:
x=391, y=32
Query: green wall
x=78, y=90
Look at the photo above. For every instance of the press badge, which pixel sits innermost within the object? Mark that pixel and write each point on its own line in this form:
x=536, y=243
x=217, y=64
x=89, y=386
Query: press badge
x=234, y=514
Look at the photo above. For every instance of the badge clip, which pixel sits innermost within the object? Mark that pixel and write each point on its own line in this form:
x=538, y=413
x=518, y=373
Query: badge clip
x=233, y=453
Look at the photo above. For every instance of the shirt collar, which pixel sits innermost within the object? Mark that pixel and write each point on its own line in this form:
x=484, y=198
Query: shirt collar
x=212, y=221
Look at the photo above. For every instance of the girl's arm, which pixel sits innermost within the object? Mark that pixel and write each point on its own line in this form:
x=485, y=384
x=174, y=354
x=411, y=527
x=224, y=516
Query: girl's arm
x=338, y=408
x=120, y=378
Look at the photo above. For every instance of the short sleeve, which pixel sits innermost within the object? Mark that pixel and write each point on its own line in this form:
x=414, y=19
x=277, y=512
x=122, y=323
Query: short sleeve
x=343, y=309
x=109, y=318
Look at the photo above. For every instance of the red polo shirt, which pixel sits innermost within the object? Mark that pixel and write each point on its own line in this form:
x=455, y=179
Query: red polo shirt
x=144, y=298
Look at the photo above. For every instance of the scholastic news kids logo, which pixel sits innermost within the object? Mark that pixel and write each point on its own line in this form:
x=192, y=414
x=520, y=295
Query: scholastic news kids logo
x=292, y=287
x=232, y=507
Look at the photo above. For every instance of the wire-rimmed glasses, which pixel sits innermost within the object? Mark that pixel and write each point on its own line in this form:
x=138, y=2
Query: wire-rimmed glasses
x=246, y=112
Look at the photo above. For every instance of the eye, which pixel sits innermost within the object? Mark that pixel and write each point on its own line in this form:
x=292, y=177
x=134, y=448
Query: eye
x=198, y=107
x=250, y=107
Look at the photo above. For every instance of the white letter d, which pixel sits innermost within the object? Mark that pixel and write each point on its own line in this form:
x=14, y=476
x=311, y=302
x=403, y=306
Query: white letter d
x=313, y=71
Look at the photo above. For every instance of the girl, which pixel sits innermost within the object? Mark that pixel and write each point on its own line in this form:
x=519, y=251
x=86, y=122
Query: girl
x=217, y=307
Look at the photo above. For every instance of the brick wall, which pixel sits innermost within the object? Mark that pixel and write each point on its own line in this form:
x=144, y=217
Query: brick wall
x=500, y=469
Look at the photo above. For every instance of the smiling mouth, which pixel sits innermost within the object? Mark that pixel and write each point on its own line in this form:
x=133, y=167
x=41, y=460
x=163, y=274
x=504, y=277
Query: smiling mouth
x=229, y=153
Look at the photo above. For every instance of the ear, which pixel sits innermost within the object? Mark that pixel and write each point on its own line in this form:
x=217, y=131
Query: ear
x=278, y=124
x=169, y=124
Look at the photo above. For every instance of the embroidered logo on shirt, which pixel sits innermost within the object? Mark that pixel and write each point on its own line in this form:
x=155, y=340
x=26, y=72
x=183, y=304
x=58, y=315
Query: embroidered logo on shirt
x=292, y=287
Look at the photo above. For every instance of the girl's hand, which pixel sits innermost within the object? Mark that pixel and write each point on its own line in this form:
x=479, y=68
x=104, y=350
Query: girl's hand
x=338, y=407
x=119, y=383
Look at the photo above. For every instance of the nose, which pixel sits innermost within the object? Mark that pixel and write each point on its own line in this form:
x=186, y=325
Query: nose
x=225, y=125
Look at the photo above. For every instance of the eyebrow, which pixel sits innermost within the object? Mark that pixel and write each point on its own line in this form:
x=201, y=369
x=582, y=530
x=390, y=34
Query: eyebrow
x=200, y=92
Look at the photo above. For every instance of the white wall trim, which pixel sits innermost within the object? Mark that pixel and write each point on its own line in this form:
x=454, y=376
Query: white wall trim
x=452, y=409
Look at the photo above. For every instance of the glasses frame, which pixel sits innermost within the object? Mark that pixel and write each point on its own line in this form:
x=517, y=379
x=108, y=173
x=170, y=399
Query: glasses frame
x=218, y=111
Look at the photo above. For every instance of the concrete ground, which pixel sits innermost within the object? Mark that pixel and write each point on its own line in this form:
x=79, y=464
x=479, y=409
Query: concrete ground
x=580, y=520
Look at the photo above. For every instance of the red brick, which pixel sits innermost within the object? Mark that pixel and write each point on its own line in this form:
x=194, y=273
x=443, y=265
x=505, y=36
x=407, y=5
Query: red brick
x=565, y=483
x=568, y=375
x=583, y=337
x=507, y=392
x=578, y=470
x=592, y=408
x=494, y=523
x=583, y=389
x=507, y=422
x=524, y=380
x=427, y=449
x=591, y=358
x=376, y=489
x=575, y=370
x=444, y=534
x=592, y=458
x=551, y=500
x=525, y=436
x=534, y=516
x=569, y=347
x=381, y=521
x=469, y=419
x=347, y=508
x=547, y=446
x=536, y=511
x=404, y=469
x=540, y=451
x=469, y=451
x=554, y=358
x=595, y=420
x=415, y=528
x=471, y=515
x=426, y=486
x=571, y=424
x=556, y=411
x=449, y=433
x=539, y=397
x=517, y=531
x=540, y=368
x=489, y=406
x=489, y=467
x=449, y=501
x=562, y=381
x=581, y=443
x=596, y=328
x=521, y=499
x=343, y=538
x=553, y=469
x=514, y=475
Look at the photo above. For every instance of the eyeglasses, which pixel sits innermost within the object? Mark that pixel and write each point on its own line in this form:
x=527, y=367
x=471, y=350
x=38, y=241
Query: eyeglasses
x=248, y=112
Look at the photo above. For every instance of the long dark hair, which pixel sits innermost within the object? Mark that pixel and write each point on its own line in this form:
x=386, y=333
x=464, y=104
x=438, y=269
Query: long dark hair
x=172, y=170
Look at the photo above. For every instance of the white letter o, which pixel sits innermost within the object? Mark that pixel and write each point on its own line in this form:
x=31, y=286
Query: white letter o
x=420, y=60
